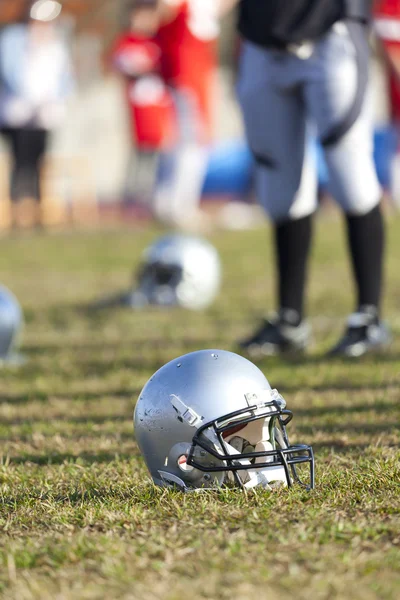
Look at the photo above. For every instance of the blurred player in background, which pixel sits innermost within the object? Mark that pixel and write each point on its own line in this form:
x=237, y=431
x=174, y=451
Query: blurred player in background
x=174, y=46
x=188, y=37
x=307, y=61
x=387, y=25
x=36, y=78
x=137, y=56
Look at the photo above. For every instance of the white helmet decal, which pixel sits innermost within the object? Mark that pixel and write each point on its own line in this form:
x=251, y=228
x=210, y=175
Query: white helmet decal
x=45, y=10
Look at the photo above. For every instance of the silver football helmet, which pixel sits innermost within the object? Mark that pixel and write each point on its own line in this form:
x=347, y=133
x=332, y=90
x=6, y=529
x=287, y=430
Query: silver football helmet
x=11, y=321
x=210, y=418
x=180, y=270
x=177, y=270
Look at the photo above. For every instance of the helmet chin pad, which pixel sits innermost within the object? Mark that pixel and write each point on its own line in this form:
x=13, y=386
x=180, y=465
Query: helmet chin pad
x=255, y=437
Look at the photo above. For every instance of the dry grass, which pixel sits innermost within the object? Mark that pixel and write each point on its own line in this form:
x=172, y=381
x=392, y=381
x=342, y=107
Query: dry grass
x=78, y=516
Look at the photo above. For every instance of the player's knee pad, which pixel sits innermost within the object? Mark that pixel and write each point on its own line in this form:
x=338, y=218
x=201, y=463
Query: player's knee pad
x=353, y=181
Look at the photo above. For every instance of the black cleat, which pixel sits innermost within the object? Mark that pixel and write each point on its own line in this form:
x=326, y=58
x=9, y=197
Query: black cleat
x=365, y=334
x=275, y=337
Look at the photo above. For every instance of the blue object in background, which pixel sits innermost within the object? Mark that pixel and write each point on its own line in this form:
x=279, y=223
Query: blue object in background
x=322, y=169
x=231, y=164
x=385, y=148
x=230, y=169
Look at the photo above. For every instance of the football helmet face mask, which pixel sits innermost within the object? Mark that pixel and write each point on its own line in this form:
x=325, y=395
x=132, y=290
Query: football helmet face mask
x=178, y=270
x=11, y=322
x=210, y=419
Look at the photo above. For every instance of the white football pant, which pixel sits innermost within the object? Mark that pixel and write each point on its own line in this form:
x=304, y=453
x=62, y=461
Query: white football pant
x=286, y=99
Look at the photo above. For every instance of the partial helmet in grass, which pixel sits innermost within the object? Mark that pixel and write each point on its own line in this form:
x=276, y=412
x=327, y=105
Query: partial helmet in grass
x=210, y=419
x=11, y=322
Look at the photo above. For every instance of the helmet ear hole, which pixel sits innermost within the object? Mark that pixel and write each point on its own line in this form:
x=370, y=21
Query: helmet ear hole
x=193, y=477
x=182, y=464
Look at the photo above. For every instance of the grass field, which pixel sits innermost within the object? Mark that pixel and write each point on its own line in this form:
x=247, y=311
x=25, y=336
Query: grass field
x=78, y=515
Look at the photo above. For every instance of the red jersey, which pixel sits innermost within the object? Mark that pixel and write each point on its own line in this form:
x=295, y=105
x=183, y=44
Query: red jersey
x=151, y=106
x=387, y=8
x=189, y=52
x=387, y=24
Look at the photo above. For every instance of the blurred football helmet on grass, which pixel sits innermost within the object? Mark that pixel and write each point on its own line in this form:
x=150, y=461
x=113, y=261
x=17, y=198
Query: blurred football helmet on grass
x=210, y=419
x=11, y=321
x=177, y=270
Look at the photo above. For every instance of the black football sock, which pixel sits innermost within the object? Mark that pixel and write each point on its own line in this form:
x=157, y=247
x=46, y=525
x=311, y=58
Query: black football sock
x=293, y=241
x=366, y=238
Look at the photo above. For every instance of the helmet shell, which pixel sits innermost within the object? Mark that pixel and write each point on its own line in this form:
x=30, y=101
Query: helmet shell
x=11, y=321
x=213, y=383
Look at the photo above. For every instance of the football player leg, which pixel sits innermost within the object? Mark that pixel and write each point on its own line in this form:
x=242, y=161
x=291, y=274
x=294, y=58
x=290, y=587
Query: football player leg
x=338, y=85
x=182, y=169
x=275, y=122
